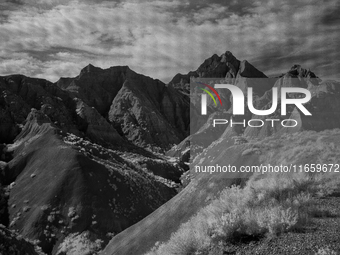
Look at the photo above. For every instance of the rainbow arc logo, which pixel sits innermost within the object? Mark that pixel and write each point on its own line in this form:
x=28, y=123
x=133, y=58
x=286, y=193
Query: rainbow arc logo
x=208, y=92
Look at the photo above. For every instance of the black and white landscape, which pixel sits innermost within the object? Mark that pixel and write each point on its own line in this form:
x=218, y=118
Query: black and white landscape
x=100, y=132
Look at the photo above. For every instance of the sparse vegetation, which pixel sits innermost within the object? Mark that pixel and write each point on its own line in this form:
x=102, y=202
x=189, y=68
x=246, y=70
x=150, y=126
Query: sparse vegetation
x=268, y=205
x=71, y=212
x=77, y=243
x=326, y=251
x=51, y=218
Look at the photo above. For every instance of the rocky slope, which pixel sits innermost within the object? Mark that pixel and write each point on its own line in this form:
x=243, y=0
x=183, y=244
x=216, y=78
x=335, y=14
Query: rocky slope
x=224, y=66
x=62, y=184
x=14, y=244
x=19, y=94
x=139, y=107
x=158, y=226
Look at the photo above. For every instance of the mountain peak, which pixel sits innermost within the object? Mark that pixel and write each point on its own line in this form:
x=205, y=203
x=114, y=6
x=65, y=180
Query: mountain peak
x=219, y=66
x=299, y=71
x=90, y=69
x=228, y=57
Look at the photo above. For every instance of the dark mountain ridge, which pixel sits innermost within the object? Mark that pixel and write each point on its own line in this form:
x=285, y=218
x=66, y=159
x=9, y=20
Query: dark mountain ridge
x=134, y=104
x=69, y=171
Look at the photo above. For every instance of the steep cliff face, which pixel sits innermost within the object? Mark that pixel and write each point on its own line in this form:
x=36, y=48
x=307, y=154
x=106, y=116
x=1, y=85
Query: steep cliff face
x=95, y=86
x=150, y=113
x=96, y=104
x=223, y=66
x=96, y=127
x=139, y=107
x=19, y=94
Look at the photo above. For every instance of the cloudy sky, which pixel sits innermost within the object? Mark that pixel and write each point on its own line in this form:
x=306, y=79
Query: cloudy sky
x=159, y=38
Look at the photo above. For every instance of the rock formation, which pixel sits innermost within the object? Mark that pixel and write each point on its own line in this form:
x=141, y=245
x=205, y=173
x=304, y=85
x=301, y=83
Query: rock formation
x=63, y=184
x=69, y=159
x=139, y=107
x=230, y=70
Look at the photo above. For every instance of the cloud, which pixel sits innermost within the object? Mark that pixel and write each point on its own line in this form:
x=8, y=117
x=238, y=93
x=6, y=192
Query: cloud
x=297, y=34
x=160, y=38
